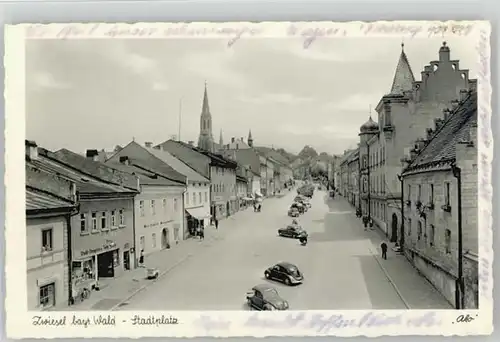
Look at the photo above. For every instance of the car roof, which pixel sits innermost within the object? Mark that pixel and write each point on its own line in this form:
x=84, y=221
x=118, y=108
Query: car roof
x=286, y=265
x=263, y=287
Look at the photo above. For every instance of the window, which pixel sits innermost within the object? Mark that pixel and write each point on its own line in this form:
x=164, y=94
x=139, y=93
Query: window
x=116, y=258
x=142, y=242
x=431, y=235
x=113, y=218
x=141, y=208
x=409, y=227
x=187, y=198
x=153, y=239
x=419, y=231
x=194, y=198
x=94, y=221
x=419, y=194
x=153, y=207
x=447, y=240
x=447, y=194
x=199, y=197
x=431, y=193
x=409, y=193
x=83, y=223
x=46, y=295
x=206, y=196
x=103, y=220
x=164, y=204
x=122, y=217
x=175, y=205
x=47, y=240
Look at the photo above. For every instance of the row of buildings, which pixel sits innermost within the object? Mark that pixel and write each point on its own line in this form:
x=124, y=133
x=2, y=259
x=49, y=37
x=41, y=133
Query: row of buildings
x=414, y=173
x=93, y=216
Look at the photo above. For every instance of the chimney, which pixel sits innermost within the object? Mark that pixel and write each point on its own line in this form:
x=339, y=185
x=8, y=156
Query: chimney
x=232, y=140
x=446, y=113
x=454, y=104
x=429, y=133
x=463, y=94
x=93, y=155
x=191, y=142
x=72, y=190
x=157, y=147
x=438, y=122
x=31, y=149
x=413, y=154
x=428, y=68
x=148, y=144
x=124, y=160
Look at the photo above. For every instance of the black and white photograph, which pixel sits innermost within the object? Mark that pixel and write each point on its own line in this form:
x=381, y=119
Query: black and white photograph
x=258, y=174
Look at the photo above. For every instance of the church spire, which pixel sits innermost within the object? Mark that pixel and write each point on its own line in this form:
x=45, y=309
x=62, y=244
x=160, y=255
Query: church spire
x=221, y=141
x=250, y=139
x=206, y=108
x=403, y=77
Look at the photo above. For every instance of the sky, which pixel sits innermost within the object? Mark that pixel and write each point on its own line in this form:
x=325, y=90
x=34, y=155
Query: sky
x=99, y=93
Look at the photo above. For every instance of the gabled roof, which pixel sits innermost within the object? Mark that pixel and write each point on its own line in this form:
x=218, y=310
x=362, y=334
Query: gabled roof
x=145, y=177
x=189, y=155
x=142, y=157
x=94, y=168
x=177, y=164
x=403, y=77
x=245, y=157
x=442, y=146
x=273, y=154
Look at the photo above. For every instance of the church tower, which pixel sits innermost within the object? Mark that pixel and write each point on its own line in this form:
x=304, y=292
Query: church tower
x=250, y=139
x=221, y=141
x=205, y=140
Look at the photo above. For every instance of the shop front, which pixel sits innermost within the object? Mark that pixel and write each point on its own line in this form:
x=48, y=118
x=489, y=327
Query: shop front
x=219, y=208
x=198, y=217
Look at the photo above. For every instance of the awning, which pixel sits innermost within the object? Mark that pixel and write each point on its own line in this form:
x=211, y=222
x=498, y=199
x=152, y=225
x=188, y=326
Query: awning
x=258, y=194
x=198, y=213
x=247, y=199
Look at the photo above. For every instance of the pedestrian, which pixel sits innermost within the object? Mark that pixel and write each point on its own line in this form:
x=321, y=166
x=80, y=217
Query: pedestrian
x=202, y=234
x=198, y=231
x=383, y=246
x=141, y=258
x=365, y=221
x=216, y=224
x=371, y=223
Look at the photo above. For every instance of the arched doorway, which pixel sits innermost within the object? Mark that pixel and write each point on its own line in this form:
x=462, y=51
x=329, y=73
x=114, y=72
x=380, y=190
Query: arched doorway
x=394, y=235
x=165, y=240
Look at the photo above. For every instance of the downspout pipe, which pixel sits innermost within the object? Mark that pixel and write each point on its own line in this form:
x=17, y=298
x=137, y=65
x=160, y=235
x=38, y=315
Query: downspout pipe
x=460, y=288
x=402, y=237
x=72, y=213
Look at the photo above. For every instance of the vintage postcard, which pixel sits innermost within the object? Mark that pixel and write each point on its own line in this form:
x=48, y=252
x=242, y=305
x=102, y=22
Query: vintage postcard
x=248, y=179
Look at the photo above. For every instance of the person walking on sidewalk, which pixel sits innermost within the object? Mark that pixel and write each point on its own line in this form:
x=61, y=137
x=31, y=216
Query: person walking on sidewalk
x=202, y=233
x=383, y=246
x=141, y=259
x=216, y=224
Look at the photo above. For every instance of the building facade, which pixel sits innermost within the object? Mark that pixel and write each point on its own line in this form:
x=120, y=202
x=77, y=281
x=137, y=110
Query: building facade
x=50, y=202
x=436, y=217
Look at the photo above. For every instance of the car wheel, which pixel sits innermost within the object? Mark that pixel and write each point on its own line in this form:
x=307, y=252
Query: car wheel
x=267, y=275
x=287, y=281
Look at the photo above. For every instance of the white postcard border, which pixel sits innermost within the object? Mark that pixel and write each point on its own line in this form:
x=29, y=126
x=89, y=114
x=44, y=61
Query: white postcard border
x=19, y=322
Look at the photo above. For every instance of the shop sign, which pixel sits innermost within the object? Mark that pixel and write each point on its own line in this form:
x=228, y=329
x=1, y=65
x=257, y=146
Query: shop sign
x=218, y=198
x=156, y=224
x=108, y=244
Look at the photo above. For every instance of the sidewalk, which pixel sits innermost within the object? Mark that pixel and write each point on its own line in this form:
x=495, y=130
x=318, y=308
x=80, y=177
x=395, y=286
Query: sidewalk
x=115, y=291
x=416, y=291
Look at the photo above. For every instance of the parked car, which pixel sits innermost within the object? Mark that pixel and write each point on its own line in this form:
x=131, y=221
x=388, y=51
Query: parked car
x=153, y=273
x=293, y=212
x=285, y=272
x=293, y=231
x=265, y=297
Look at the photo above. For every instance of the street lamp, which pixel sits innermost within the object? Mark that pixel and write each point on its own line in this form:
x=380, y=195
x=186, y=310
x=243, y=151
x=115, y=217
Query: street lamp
x=459, y=292
x=402, y=238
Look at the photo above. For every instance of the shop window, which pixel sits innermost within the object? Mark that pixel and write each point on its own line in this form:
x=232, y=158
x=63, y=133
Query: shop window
x=122, y=218
x=447, y=240
x=419, y=230
x=447, y=194
x=153, y=239
x=431, y=235
x=83, y=223
x=46, y=295
x=94, y=222
x=47, y=243
x=142, y=242
x=153, y=207
x=141, y=208
x=104, y=221
x=116, y=258
x=113, y=219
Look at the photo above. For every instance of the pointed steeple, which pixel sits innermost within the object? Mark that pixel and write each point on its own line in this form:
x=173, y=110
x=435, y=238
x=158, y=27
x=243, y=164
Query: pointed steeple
x=250, y=139
x=206, y=108
x=403, y=77
x=221, y=141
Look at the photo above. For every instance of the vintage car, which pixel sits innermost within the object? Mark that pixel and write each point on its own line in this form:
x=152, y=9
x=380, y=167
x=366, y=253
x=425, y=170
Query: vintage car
x=152, y=273
x=292, y=231
x=285, y=272
x=293, y=212
x=265, y=298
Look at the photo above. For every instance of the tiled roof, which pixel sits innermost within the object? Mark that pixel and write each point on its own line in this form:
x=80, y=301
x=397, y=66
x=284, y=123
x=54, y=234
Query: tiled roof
x=94, y=168
x=189, y=155
x=177, y=164
x=145, y=177
x=403, y=77
x=273, y=154
x=246, y=157
x=84, y=184
x=442, y=146
x=41, y=200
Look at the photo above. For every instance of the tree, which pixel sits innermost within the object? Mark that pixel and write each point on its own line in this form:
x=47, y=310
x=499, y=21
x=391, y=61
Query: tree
x=308, y=153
